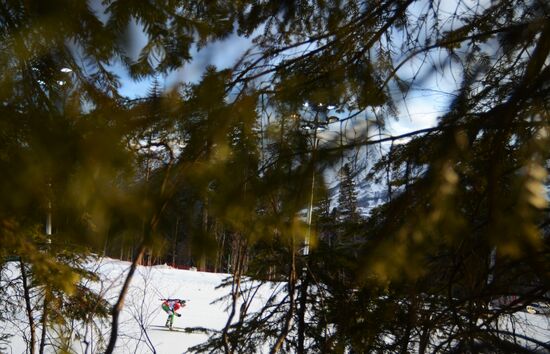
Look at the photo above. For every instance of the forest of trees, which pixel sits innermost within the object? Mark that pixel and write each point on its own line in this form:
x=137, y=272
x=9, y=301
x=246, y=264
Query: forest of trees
x=222, y=174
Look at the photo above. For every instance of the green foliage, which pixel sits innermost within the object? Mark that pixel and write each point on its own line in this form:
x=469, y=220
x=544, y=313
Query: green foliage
x=224, y=161
x=347, y=196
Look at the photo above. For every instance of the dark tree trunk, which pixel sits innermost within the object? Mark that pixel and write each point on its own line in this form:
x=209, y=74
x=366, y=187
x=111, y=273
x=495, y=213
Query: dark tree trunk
x=302, y=314
x=120, y=303
x=28, y=307
x=44, y=323
x=286, y=326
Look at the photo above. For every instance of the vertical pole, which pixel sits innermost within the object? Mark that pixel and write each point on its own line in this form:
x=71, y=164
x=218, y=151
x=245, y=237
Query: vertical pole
x=304, y=281
x=49, y=214
x=310, y=210
x=310, y=214
x=44, y=319
x=49, y=219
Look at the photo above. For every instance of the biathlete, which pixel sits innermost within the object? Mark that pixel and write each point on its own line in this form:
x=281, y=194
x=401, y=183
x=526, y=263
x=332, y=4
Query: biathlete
x=170, y=306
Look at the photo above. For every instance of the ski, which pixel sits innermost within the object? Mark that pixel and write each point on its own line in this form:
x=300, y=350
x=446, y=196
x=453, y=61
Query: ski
x=173, y=329
x=169, y=330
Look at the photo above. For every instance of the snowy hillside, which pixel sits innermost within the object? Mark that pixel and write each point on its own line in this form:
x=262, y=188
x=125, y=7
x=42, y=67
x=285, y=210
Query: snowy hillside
x=142, y=307
x=141, y=326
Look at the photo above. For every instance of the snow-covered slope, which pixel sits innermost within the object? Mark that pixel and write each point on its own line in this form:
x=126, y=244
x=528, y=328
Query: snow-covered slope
x=141, y=325
x=143, y=305
x=142, y=320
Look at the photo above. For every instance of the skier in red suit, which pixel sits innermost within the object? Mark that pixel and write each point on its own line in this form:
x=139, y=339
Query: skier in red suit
x=170, y=306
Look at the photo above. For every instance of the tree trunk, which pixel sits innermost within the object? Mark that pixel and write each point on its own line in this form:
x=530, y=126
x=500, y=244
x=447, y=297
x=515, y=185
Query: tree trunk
x=290, y=314
x=175, y=245
x=302, y=314
x=44, y=323
x=202, y=259
x=28, y=307
x=120, y=303
x=235, y=294
x=220, y=235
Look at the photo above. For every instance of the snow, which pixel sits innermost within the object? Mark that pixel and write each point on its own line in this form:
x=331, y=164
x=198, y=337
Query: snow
x=154, y=283
x=143, y=305
x=141, y=322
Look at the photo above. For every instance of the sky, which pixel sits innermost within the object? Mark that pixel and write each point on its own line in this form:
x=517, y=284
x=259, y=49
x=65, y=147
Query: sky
x=222, y=54
x=420, y=108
